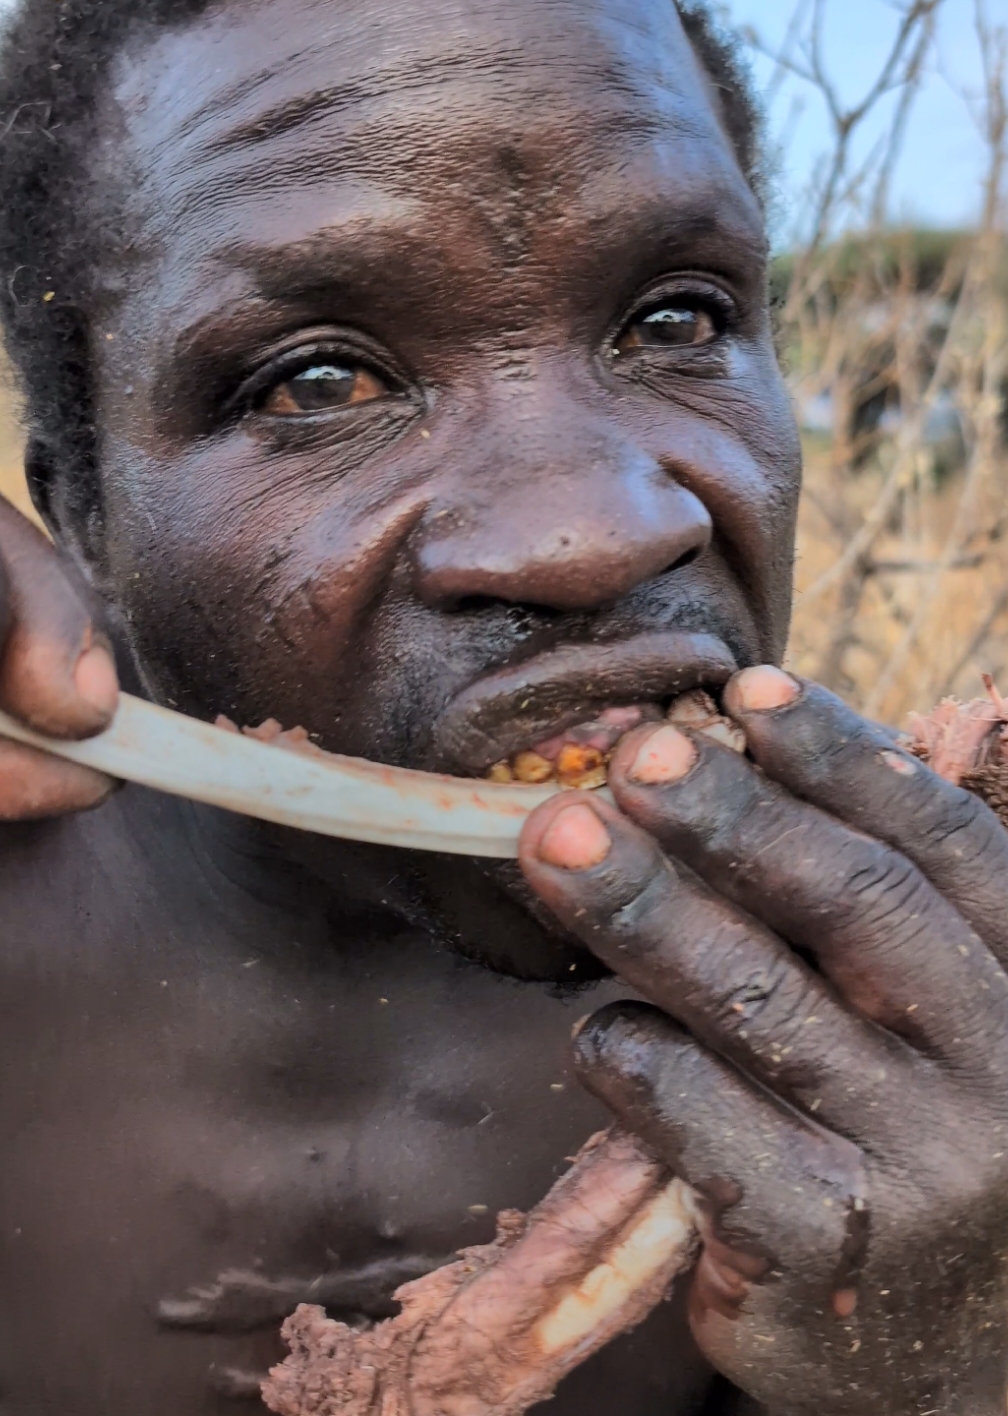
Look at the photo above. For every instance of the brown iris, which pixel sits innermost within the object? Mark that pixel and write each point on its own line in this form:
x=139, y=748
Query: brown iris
x=323, y=387
x=678, y=324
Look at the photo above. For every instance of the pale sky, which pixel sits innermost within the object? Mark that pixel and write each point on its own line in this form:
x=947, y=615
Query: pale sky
x=939, y=176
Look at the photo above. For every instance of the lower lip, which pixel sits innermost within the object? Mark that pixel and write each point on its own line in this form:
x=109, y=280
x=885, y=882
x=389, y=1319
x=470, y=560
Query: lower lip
x=543, y=697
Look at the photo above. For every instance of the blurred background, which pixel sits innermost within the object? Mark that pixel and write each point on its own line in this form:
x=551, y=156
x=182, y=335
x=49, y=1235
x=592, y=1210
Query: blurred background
x=886, y=158
x=886, y=168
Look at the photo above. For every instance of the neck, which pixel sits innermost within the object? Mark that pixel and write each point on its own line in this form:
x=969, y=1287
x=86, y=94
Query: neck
x=478, y=908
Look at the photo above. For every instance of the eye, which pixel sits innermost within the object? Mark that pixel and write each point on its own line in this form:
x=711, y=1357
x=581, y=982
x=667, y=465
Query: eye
x=678, y=322
x=322, y=387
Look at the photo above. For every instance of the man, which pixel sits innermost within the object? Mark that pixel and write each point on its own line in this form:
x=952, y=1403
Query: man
x=404, y=371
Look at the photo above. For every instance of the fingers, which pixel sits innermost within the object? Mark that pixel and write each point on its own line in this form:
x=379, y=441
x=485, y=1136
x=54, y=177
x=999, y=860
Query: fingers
x=764, y=1176
x=896, y=948
x=827, y=1267
x=34, y=785
x=812, y=743
x=722, y=974
x=56, y=668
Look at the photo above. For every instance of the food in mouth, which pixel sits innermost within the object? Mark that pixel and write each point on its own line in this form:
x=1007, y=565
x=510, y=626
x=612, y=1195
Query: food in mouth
x=579, y=757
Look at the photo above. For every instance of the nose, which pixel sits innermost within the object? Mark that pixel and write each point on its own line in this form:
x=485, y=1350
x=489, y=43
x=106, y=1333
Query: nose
x=569, y=533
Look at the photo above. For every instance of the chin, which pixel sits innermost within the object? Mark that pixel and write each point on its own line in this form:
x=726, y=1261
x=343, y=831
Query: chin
x=485, y=911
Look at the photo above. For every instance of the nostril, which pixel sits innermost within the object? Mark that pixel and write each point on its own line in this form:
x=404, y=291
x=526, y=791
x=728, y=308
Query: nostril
x=475, y=604
x=521, y=617
x=684, y=560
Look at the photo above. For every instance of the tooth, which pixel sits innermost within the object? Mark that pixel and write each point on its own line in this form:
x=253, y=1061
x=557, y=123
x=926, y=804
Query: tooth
x=530, y=768
x=693, y=708
x=575, y=760
x=697, y=710
x=578, y=757
x=587, y=781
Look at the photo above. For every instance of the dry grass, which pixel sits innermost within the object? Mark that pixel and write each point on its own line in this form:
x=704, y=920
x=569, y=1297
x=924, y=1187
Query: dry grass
x=966, y=632
x=12, y=485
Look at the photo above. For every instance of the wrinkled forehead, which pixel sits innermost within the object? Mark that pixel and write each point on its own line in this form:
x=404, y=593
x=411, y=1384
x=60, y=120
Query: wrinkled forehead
x=275, y=93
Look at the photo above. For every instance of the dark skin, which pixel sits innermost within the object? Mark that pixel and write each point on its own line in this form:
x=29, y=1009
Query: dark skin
x=438, y=407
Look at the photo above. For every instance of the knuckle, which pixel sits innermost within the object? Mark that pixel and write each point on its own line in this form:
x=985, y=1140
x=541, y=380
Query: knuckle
x=768, y=1005
x=878, y=886
x=639, y=906
x=956, y=816
x=967, y=833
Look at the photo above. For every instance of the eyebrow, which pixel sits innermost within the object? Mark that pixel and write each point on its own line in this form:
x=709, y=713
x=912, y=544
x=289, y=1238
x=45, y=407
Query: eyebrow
x=342, y=265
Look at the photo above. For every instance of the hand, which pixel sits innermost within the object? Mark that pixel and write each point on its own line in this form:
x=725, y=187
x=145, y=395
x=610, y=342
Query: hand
x=57, y=674
x=822, y=938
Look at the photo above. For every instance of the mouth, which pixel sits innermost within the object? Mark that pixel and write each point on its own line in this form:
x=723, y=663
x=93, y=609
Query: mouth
x=559, y=716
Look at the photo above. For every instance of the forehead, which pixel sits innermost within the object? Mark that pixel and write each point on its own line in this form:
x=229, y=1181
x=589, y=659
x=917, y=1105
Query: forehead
x=281, y=93
x=424, y=135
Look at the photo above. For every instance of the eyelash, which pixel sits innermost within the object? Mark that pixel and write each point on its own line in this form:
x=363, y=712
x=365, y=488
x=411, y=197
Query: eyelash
x=255, y=389
x=703, y=295
x=712, y=299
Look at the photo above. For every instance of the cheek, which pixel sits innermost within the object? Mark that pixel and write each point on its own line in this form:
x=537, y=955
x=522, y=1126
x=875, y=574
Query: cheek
x=248, y=598
x=755, y=502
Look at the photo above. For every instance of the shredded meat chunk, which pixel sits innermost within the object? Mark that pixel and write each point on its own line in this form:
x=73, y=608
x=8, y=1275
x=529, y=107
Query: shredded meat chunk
x=967, y=743
x=497, y=1330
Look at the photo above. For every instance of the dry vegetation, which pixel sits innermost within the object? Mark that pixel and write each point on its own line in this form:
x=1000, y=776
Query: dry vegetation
x=900, y=340
x=11, y=479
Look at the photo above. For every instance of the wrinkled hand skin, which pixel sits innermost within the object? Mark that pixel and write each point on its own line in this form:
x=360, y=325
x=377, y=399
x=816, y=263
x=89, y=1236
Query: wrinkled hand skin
x=821, y=933
x=56, y=673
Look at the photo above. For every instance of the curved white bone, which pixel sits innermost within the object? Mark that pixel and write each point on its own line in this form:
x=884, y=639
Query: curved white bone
x=335, y=796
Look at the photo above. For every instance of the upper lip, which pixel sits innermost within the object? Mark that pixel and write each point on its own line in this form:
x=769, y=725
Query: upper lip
x=514, y=707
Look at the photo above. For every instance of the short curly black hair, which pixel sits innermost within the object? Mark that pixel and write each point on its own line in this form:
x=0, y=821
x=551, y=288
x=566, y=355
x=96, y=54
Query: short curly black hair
x=54, y=60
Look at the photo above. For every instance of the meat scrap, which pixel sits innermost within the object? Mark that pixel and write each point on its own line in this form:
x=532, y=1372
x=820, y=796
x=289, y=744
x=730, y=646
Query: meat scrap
x=967, y=743
x=494, y=1332
x=272, y=732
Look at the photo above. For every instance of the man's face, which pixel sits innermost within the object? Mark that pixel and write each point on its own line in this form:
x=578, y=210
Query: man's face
x=437, y=363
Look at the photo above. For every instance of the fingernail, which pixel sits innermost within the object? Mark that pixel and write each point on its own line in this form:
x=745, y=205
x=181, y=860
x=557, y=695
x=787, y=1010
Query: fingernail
x=95, y=679
x=763, y=688
x=665, y=756
x=575, y=839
